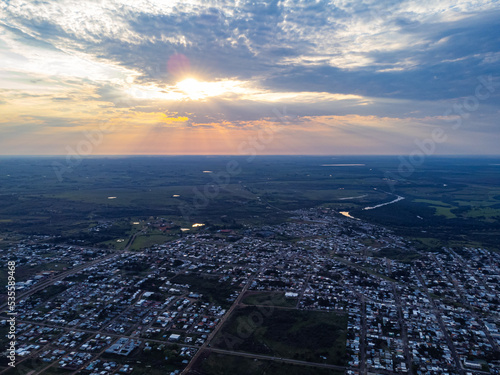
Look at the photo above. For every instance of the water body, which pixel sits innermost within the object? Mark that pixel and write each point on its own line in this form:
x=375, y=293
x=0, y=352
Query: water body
x=346, y=214
x=359, y=196
x=342, y=165
x=399, y=198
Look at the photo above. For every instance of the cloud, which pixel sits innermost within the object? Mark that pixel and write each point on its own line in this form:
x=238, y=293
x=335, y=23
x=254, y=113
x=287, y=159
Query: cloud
x=80, y=63
x=170, y=120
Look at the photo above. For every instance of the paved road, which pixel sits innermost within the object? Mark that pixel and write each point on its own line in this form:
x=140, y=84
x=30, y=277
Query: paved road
x=402, y=325
x=362, y=337
x=21, y=361
x=464, y=301
x=294, y=361
x=437, y=312
x=60, y=276
x=221, y=323
x=103, y=333
x=279, y=359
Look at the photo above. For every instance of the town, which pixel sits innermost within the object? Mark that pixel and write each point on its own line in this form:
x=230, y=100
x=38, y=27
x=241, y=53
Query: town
x=170, y=306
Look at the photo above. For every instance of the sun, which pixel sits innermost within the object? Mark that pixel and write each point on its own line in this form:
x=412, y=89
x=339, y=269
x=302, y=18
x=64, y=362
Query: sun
x=192, y=89
x=197, y=90
x=190, y=86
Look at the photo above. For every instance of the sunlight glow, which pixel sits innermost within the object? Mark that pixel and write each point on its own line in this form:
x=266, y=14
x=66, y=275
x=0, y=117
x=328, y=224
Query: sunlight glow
x=190, y=89
x=197, y=90
x=153, y=93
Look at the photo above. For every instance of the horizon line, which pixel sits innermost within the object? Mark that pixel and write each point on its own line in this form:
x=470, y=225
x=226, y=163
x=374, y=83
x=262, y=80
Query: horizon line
x=234, y=155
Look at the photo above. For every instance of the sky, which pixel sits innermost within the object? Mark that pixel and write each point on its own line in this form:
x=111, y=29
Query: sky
x=116, y=77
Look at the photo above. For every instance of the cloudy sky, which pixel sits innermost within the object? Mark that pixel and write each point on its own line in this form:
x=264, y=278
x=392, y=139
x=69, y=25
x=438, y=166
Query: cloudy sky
x=236, y=77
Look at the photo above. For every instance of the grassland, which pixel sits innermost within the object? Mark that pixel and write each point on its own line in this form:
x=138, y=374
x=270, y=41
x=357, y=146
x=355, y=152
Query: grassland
x=29, y=366
x=4, y=341
x=212, y=290
x=148, y=240
x=24, y=273
x=304, y=335
x=219, y=364
x=446, y=198
x=268, y=299
x=404, y=256
x=446, y=212
x=151, y=362
x=432, y=202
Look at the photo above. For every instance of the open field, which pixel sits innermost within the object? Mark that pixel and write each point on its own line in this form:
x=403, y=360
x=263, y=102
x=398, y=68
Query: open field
x=396, y=254
x=220, y=364
x=450, y=199
x=268, y=299
x=210, y=287
x=26, y=367
x=147, y=240
x=304, y=335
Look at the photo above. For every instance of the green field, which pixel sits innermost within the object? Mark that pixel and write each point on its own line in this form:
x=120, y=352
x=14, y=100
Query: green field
x=432, y=202
x=449, y=199
x=404, y=256
x=269, y=299
x=148, y=240
x=212, y=290
x=303, y=335
x=4, y=340
x=446, y=212
x=482, y=213
x=26, y=272
x=26, y=367
x=151, y=362
x=220, y=364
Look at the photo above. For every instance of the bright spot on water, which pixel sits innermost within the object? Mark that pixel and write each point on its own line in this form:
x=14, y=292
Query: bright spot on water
x=346, y=214
x=342, y=165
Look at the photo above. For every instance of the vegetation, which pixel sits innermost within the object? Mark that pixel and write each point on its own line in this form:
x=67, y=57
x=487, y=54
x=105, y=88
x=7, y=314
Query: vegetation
x=269, y=299
x=296, y=334
x=148, y=240
x=219, y=364
x=448, y=199
x=210, y=287
x=397, y=254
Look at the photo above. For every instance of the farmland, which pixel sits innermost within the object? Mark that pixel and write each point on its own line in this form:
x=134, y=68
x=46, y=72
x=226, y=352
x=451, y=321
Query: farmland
x=441, y=195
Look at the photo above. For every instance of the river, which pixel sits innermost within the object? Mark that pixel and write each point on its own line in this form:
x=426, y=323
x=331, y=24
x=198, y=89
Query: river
x=347, y=214
x=399, y=198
